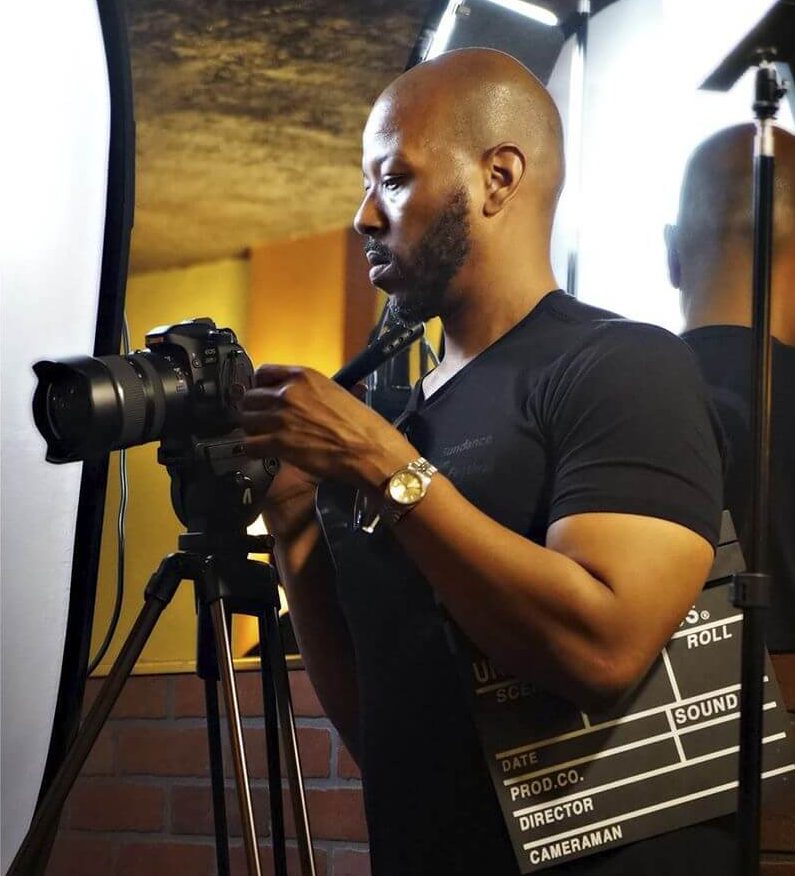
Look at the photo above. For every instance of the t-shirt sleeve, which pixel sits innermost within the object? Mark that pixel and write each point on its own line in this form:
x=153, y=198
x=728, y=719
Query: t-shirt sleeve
x=631, y=430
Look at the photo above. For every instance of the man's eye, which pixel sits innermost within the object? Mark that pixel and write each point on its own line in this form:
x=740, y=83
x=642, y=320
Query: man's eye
x=392, y=183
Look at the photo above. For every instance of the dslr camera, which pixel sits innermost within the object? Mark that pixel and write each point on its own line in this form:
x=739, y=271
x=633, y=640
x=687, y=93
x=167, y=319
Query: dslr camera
x=184, y=389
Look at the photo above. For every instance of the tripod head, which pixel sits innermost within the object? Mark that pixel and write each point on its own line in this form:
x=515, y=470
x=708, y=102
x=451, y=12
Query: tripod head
x=217, y=491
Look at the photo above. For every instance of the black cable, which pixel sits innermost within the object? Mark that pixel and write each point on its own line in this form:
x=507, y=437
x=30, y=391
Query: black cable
x=121, y=539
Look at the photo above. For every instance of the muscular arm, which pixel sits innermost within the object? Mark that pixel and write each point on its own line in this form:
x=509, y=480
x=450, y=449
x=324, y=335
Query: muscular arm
x=584, y=616
x=307, y=573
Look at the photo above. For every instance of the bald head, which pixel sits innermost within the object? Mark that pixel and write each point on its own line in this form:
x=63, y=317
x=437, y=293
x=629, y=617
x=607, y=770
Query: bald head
x=711, y=247
x=462, y=163
x=472, y=100
x=715, y=208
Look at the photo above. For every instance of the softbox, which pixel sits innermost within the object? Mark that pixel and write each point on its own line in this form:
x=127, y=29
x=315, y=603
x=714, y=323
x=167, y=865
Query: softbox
x=65, y=215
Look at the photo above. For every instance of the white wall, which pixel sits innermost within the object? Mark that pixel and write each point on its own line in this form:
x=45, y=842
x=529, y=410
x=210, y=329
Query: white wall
x=54, y=114
x=643, y=116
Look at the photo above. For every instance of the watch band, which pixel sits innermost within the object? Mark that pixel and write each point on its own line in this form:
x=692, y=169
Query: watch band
x=392, y=511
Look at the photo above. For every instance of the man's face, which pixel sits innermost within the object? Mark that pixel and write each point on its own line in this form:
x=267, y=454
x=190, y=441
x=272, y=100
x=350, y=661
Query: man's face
x=414, y=217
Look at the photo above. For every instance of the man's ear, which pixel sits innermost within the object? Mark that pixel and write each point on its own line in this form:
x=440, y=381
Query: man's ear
x=671, y=234
x=504, y=167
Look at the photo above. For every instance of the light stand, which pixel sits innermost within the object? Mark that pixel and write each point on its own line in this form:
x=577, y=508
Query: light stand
x=751, y=589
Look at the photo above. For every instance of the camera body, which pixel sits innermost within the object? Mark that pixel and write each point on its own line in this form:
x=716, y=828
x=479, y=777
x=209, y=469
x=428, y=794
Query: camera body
x=185, y=389
x=189, y=381
x=211, y=371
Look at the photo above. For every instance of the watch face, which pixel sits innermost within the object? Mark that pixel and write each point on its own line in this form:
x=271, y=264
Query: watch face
x=405, y=487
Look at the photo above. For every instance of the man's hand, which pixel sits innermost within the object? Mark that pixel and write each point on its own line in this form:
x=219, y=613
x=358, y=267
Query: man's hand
x=308, y=421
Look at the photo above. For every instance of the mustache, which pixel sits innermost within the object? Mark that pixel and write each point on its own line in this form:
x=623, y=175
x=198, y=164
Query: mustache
x=371, y=245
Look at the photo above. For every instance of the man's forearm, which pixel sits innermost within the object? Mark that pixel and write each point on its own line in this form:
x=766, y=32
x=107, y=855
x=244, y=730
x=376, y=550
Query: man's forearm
x=583, y=616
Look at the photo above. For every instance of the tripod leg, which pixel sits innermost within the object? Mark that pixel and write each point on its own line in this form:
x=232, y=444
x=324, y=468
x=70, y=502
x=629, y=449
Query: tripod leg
x=272, y=744
x=207, y=668
x=226, y=669
x=281, y=685
x=52, y=803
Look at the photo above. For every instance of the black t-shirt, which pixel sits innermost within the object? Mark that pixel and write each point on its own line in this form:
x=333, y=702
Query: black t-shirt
x=725, y=355
x=573, y=410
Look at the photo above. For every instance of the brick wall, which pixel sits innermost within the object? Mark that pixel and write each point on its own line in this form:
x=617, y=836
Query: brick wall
x=142, y=803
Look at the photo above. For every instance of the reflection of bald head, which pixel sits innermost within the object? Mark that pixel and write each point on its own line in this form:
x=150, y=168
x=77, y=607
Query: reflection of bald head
x=472, y=100
x=711, y=251
x=715, y=210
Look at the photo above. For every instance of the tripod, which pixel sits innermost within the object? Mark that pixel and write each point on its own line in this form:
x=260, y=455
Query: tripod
x=226, y=583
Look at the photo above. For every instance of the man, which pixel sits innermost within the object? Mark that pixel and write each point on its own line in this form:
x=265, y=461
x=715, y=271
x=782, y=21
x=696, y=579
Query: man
x=710, y=256
x=569, y=526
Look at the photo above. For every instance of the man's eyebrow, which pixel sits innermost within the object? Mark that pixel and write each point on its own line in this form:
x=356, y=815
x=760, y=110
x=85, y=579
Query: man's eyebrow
x=384, y=156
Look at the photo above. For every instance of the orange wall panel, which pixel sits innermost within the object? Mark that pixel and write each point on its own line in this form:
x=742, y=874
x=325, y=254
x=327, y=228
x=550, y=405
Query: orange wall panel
x=296, y=309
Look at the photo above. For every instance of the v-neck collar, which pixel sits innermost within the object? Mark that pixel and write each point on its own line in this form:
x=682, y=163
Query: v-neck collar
x=418, y=400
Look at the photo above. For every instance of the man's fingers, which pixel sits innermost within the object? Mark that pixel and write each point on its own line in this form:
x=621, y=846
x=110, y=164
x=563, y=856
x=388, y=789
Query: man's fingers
x=273, y=375
x=270, y=385
x=255, y=421
x=261, y=398
x=261, y=446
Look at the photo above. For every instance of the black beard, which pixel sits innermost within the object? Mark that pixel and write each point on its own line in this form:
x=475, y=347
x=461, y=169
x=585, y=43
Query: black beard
x=425, y=274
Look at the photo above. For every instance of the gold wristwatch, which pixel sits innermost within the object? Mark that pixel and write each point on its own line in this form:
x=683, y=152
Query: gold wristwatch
x=404, y=489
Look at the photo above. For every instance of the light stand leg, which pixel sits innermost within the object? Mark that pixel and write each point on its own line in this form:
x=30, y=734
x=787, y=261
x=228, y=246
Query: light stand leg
x=228, y=685
x=750, y=593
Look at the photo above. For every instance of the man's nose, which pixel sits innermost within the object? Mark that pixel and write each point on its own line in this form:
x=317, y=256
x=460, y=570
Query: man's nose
x=369, y=220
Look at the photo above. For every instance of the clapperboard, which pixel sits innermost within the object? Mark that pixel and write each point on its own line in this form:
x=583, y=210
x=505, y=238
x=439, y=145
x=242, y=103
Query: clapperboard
x=571, y=784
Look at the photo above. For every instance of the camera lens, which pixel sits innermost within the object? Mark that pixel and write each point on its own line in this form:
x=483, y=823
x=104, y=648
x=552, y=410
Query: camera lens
x=86, y=406
x=68, y=408
x=183, y=388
